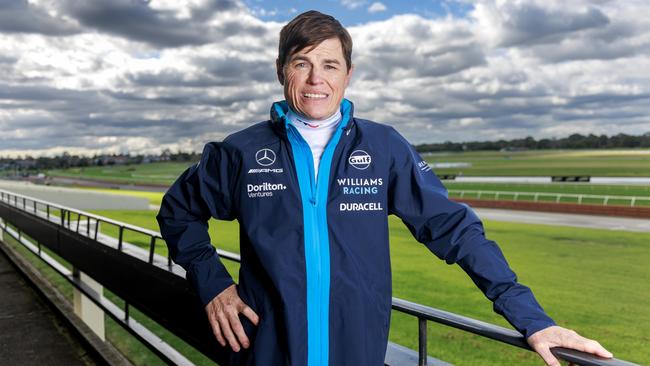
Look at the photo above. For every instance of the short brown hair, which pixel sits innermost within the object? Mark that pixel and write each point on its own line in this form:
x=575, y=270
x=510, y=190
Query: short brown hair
x=309, y=29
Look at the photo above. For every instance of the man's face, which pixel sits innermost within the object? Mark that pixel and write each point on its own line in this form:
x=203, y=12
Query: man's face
x=315, y=79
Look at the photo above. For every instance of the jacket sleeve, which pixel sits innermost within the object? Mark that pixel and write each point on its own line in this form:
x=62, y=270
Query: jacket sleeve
x=454, y=233
x=201, y=192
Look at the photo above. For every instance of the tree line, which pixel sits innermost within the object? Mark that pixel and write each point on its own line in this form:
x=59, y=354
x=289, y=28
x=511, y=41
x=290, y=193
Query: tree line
x=67, y=160
x=575, y=141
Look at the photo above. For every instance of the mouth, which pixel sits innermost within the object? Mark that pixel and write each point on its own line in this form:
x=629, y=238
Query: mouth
x=315, y=96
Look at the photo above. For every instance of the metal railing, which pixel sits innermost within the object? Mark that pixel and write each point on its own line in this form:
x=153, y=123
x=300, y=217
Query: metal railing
x=62, y=216
x=549, y=197
x=72, y=219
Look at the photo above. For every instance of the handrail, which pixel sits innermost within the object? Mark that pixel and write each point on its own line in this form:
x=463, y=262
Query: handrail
x=605, y=198
x=83, y=213
x=422, y=312
x=66, y=211
x=497, y=333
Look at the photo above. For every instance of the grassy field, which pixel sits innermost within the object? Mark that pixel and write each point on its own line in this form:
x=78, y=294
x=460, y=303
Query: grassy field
x=153, y=173
x=595, y=281
x=602, y=163
x=624, y=163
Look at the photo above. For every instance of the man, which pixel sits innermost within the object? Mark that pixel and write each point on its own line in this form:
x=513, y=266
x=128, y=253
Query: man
x=312, y=189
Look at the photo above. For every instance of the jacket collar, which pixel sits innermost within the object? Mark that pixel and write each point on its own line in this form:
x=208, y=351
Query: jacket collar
x=281, y=122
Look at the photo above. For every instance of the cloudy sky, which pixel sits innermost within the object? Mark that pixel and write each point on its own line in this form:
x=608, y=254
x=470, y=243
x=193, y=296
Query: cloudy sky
x=139, y=76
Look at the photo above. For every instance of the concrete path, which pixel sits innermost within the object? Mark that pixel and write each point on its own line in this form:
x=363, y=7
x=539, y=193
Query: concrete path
x=31, y=334
x=550, y=218
x=81, y=199
x=97, y=183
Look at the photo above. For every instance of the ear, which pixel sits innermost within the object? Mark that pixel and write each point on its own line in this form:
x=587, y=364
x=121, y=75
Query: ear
x=278, y=69
x=348, y=77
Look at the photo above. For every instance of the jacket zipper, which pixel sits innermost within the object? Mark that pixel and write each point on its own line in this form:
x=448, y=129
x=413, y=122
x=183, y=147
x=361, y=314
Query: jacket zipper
x=316, y=284
x=319, y=285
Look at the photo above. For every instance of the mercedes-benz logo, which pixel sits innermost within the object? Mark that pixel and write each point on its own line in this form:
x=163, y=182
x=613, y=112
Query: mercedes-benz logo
x=265, y=157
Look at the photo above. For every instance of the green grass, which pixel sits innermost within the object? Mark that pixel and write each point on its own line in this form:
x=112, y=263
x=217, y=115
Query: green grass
x=623, y=163
x=594, y=281
x=152, y=173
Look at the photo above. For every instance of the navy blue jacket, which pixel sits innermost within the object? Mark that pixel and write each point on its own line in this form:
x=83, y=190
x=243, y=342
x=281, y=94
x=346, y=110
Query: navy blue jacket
x=315, y=260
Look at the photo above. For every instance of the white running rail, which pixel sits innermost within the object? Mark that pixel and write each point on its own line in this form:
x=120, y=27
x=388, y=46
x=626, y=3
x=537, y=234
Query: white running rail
x=548, y=197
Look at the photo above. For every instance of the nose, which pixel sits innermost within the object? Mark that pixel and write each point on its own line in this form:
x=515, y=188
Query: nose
x=315, y=76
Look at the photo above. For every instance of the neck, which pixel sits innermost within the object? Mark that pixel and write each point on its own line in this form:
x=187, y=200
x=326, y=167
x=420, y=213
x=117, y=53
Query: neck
x=296, y=118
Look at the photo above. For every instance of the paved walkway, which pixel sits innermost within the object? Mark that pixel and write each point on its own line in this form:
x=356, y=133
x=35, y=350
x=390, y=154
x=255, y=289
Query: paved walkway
x=550, y=218
x=31, y=334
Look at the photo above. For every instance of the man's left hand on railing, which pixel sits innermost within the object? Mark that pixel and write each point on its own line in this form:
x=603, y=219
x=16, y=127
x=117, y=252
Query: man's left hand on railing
x=555, y=336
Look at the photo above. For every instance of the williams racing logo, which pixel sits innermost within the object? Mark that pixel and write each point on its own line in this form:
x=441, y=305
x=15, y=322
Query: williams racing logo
x=360, y=159
x=265, y=158
x=265, y=189
x=360, y=187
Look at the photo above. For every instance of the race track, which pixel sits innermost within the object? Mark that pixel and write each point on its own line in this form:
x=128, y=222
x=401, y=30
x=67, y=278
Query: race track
x=549, y=218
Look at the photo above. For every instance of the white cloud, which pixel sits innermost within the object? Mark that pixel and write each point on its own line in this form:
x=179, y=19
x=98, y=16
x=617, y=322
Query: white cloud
x=376, y=7
x=508, y=23
x=262, y=12
x=353, y=4
x=490, y=75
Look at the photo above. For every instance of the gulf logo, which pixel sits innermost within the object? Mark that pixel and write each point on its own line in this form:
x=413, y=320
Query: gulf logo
x=360, y=159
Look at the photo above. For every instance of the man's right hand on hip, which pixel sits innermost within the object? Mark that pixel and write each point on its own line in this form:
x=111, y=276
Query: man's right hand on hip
x=223, y=313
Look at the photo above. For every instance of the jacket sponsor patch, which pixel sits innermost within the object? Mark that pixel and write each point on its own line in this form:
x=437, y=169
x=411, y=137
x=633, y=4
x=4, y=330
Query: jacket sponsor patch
x=361, y=206
x=424, y=166
x=360, y=159
x=360, y=185
x=265, y=170
x=265, y=157
x=265, y=189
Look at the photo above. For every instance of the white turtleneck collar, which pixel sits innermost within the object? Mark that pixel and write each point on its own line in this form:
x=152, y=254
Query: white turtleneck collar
x=316, y=133
x=300, y=121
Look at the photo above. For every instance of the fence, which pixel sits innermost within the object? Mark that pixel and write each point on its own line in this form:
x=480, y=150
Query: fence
x=632, y=201
x=156, y=286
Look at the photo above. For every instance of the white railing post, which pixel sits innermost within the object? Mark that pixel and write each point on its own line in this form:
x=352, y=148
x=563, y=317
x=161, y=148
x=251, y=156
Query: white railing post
x=84, y=308
x=557, y=197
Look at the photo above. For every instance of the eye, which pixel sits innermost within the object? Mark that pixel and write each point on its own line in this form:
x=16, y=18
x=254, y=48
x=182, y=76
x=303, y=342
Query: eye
x=301, y=65
x=330, y=67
